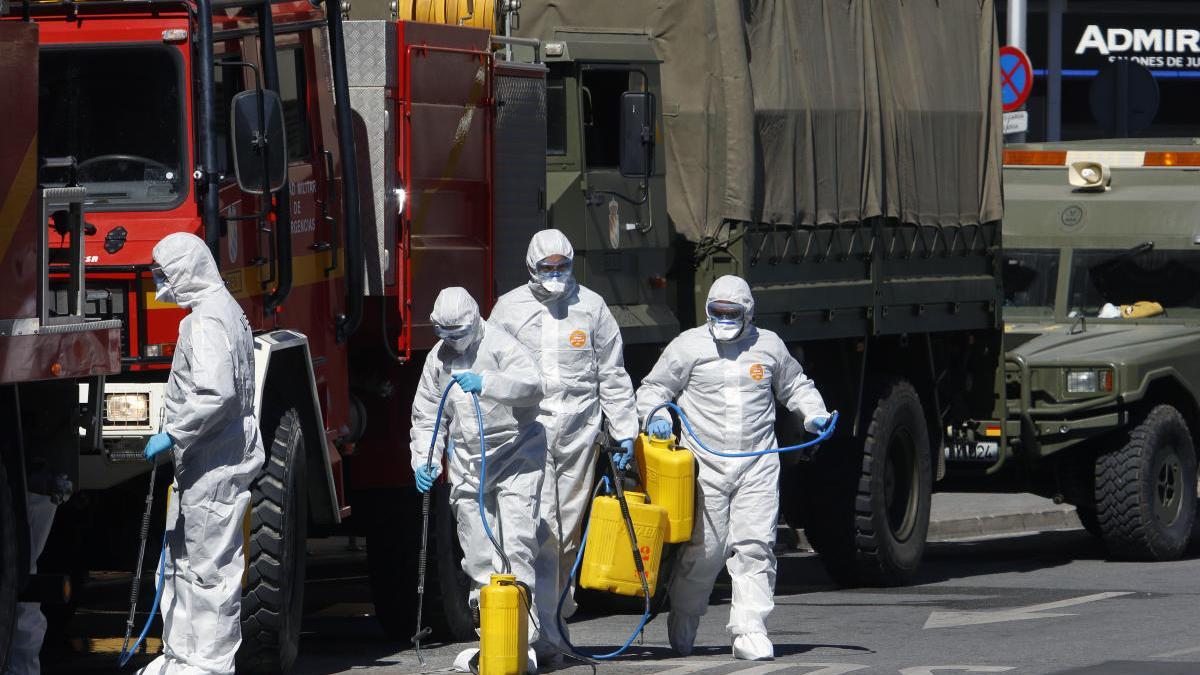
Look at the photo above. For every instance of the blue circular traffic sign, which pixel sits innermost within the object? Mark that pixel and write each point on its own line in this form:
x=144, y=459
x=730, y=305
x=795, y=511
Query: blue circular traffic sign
x=1016, y=78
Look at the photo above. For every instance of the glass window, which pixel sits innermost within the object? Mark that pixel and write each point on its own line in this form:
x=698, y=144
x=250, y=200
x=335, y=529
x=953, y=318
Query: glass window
x=601, y=96
x=227, y=81
x=293, y=90
x=1030, y=278
x=556, y=116
x=1170, y=278
x=117, y=111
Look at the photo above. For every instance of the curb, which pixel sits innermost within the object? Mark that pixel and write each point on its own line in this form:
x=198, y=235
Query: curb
x=950, y=529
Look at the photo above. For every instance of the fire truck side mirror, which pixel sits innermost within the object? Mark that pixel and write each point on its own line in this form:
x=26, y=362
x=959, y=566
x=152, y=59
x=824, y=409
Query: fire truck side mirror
x=637, y=134
x=259, y=141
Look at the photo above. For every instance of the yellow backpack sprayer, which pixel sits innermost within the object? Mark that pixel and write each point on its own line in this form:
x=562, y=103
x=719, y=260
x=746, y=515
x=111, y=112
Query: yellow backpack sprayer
x=664, y=512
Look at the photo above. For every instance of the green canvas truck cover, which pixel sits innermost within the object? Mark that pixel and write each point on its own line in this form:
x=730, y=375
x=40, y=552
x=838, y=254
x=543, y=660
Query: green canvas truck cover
x=812, y=112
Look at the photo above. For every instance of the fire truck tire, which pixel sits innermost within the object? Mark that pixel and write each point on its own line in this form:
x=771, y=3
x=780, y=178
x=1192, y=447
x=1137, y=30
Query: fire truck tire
x=892, y=497
x=273, y=593
x=9, y=571
x=1146, y=489
x=451, y=618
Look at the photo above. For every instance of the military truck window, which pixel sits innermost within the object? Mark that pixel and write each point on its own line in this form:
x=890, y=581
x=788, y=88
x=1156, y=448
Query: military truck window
x=1030, y=278
x=601, y=98
x=116, y=110
x=556, y=116
x=1170, y=278
x=293, y=90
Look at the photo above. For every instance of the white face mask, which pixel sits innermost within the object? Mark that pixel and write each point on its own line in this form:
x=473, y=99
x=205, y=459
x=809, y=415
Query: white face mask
x=724, y=330
x=554, y=286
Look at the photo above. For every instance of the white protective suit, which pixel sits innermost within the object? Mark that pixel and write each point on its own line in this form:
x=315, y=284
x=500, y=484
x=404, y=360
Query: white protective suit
x=578, y=346
x=516, y=442
x=728, y=392
x=217, y=452
x=30, y=629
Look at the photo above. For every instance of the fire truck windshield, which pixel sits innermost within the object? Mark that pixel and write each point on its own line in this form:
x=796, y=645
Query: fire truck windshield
x=116, y=110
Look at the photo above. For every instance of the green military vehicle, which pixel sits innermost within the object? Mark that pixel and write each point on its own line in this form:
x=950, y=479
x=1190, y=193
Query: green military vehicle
x=1102, y=321
x=805, y=147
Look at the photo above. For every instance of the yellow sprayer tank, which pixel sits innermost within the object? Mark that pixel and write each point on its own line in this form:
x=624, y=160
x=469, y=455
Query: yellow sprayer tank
x=503, y=627
x=608, y=560
x=668, y=472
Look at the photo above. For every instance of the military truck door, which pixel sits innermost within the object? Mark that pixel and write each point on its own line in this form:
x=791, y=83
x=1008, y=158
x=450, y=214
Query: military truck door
x=617, y=205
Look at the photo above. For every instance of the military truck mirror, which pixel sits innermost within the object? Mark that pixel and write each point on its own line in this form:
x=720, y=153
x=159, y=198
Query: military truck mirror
x=259, y=143
x=637, y=134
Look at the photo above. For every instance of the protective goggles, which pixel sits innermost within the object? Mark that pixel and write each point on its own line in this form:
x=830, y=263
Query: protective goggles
x=156, y=271
x=451, y=332
x=723, y=310
x=554, y=270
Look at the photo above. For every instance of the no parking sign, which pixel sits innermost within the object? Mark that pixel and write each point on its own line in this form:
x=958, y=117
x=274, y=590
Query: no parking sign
x=1016, y=78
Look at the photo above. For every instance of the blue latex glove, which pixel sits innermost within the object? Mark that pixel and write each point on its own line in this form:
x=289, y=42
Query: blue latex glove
x=622, y=459
x=427, y=476
x=157, y=443
x=469, y=382
x=820, y=423
x=660, y=429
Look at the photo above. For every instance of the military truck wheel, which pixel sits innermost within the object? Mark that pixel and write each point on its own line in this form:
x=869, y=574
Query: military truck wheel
x=273, y=594
x=1146, y=490
x=871, y=508
x=1089, y=520
x=9, y=568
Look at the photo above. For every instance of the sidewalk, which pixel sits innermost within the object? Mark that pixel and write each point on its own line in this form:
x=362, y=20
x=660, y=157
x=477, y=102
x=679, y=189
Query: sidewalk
x=958, y=515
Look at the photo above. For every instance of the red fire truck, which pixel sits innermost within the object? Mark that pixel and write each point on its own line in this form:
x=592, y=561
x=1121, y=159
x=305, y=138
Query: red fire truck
x=47, y=345
x=341, y=175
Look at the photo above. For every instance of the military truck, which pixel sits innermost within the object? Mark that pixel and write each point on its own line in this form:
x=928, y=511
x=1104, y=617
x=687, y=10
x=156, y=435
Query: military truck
x=1102, y=321
x=805, y=147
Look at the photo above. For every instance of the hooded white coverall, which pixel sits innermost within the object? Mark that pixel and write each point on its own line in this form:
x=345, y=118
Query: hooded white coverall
x=31, y=623
x=578, y=347
x=516, y=442
x=728, y=391
x=217, y=452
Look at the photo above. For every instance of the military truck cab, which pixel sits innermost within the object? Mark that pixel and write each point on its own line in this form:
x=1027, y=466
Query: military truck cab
x=606, y=175
x=1102, y=332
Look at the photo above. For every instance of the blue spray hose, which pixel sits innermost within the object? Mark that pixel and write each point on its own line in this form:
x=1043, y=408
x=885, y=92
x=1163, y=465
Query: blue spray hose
x=821, y=438
x=125, y=656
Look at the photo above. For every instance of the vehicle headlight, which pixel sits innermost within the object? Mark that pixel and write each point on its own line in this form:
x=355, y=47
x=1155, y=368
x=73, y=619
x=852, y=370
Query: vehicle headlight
x=125, y=408
x=1089, y=381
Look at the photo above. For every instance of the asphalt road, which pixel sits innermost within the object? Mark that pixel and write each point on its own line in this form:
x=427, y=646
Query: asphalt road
x=1038, y=603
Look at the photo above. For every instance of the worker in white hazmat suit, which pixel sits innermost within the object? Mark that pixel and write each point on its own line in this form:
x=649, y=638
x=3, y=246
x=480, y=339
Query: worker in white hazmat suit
x=578, y=346
x=726, y=376
x=30, y=627
x=489, y=363
x=212, y=433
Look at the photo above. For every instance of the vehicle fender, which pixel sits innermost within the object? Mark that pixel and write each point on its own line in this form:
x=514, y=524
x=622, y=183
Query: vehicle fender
x=285, y=354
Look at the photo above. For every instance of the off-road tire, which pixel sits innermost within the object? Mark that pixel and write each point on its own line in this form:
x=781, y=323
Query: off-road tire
x=9, y=567
x=870, y=513
x=1089, y=520
x=1146, y=489
x=273, y=595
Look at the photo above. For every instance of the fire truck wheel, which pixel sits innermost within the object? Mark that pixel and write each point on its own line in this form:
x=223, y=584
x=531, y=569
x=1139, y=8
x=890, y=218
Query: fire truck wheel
x=1146, y=489
x=392, y=557
x=8, y=567
x=452, y=618
x=889, y=509
x=273, y=593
